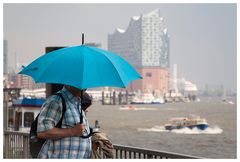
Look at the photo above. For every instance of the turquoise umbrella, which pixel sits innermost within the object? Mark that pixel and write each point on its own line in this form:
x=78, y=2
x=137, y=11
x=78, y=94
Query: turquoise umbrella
x=82, y=67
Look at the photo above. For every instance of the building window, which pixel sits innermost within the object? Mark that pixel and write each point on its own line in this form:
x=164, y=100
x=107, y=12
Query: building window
x=148, y=74
x=28, y=119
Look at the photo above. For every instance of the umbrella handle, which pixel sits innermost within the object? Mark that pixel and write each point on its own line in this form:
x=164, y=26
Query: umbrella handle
x=89, y=135
x=81, y=120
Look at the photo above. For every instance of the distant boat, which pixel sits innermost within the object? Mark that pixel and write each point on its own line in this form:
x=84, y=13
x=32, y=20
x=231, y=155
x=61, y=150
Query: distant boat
x=127, y=107
x=147, y=98
x=231, y=102
x=224, y=98
x=192, y=121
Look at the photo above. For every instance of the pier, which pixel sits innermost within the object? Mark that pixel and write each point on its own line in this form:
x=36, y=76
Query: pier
x=113, y=98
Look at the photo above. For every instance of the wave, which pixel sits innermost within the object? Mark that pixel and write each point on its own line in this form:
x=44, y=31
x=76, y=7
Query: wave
x=145, y=108
x=209, y=130
x=137, y=108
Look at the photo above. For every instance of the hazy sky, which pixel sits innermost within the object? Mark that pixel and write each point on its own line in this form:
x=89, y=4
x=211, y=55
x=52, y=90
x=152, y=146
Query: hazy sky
x=202, y=36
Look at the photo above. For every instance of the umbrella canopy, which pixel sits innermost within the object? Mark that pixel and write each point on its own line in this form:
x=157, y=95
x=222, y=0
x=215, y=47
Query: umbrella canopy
x=82, y=67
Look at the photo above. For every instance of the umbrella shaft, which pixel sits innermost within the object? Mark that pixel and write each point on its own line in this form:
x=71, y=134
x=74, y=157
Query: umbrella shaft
x=81, y=113
x=82, y=38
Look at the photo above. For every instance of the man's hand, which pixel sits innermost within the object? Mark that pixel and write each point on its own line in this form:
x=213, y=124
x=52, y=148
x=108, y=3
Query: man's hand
x=78, y=130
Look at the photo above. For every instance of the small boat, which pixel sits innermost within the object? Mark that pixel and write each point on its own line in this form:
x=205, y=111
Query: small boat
x=128, y=107
x=192, y=121
x=231, y=102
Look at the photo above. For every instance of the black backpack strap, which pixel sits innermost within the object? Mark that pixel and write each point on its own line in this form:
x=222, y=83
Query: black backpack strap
x=59, y=124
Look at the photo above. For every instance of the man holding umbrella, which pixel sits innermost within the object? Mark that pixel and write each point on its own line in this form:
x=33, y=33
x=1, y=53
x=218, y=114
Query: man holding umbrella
x=64, y=142
x=80, y=67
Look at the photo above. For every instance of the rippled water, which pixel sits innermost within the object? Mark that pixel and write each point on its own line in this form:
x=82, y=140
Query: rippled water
x=142, y=126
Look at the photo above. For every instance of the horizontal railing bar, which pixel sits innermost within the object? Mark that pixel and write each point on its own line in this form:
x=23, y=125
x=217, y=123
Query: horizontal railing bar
x=16, y=132
x=154, y=152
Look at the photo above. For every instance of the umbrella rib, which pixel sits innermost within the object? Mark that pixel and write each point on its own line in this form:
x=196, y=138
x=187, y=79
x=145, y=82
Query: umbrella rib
x=110, y=62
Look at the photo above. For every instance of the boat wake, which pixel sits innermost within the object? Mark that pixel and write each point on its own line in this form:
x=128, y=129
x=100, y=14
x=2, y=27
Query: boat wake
x=209, y=130
x=153, y=129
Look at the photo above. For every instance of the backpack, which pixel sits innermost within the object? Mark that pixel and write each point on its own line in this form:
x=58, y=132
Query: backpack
x=36, y=143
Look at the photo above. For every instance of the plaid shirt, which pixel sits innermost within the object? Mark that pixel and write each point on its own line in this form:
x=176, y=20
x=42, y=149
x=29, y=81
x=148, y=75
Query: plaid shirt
x=68, y=147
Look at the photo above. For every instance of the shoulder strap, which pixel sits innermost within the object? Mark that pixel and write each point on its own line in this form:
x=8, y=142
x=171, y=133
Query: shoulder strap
x=59, y=124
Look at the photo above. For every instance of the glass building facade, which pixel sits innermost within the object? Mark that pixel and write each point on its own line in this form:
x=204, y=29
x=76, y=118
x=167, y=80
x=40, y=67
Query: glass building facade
x=145, y=45
x=145, y=42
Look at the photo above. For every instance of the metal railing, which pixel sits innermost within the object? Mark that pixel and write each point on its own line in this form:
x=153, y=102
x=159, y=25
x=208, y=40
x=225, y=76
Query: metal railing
x=16, y=146
x=126, y=152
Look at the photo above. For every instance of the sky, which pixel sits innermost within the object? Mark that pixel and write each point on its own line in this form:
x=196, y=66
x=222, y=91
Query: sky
x=203, y=37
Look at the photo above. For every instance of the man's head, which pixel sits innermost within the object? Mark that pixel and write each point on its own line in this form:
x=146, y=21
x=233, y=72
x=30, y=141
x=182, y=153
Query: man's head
x=86, y=99
x=75, y=91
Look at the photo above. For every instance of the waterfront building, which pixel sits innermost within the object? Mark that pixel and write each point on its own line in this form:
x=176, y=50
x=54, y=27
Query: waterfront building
x=5, y=57
x=23, y=82
x=145, y=45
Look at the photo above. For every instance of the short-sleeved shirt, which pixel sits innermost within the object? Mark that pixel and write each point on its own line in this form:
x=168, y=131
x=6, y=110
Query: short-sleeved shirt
x=50, y=114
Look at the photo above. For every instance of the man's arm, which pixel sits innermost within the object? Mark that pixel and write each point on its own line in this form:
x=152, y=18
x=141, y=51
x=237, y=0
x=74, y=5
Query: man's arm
x=56, y=133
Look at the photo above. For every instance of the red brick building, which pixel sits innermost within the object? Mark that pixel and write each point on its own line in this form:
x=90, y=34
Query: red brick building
x=154, y=80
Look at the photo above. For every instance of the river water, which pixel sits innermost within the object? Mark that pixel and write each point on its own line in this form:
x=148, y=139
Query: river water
x=143, y=127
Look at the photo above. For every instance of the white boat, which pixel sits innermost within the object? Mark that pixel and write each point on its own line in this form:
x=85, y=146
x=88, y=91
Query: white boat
x=225, y=98
x=147, y=98
x=231, y=102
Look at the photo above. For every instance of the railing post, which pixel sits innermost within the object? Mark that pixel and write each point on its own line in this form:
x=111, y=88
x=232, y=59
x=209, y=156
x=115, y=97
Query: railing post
x=139, y=155
x=120, y=154
x=116, y=153
x=149, y=156
x=6, y=146
x=26, y=146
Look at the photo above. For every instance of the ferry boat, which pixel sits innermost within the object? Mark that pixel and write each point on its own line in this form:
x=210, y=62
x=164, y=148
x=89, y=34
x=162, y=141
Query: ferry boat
x=23, y=112
x=192, y=121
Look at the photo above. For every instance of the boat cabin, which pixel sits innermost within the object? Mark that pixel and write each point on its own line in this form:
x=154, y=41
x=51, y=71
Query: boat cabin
x=23, y=113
